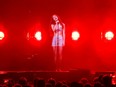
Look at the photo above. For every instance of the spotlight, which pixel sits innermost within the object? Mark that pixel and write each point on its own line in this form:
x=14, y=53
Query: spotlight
x=1, y=35
x=38, y=35
x=109, y=35
x=75, y=35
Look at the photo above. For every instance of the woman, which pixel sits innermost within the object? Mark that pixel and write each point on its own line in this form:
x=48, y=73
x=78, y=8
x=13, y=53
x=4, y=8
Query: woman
x=58, y=41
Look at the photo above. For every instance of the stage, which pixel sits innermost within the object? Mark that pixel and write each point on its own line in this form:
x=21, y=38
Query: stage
x=71, y=75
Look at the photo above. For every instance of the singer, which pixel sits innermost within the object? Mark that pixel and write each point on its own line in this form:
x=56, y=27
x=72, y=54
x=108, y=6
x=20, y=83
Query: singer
x=58, y=41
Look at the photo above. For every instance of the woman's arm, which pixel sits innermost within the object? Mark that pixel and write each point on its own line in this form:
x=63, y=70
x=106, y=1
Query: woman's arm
x=63, y=34
x=53, y=27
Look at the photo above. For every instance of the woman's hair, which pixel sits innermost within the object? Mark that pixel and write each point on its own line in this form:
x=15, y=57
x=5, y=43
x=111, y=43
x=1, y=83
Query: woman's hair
x=53, y=22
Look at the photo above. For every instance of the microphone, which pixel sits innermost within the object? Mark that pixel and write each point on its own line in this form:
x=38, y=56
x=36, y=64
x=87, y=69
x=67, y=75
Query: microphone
x=57, y=22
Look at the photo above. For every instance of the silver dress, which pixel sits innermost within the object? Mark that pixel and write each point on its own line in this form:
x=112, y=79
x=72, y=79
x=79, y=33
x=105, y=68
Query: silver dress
x=58, y=36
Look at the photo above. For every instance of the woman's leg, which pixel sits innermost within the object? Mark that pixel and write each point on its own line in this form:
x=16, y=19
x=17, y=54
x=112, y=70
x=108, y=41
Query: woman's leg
x=55, y=56
x=60, y=54
x=59, y=58
x=55, y=53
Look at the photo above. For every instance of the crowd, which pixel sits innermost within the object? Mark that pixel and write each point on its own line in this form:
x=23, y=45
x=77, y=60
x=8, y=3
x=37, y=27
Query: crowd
x=101, y=81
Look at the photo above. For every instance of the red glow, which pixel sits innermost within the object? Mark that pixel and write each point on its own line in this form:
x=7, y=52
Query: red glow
x=75, y=35
x=113, y=76
x=109, y=35
x=38, y=35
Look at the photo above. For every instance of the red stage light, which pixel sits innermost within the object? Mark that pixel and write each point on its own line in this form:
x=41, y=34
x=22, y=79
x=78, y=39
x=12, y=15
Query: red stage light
x=1, y=35
x=38, y=35
x=109, y=35
x=75, y=35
